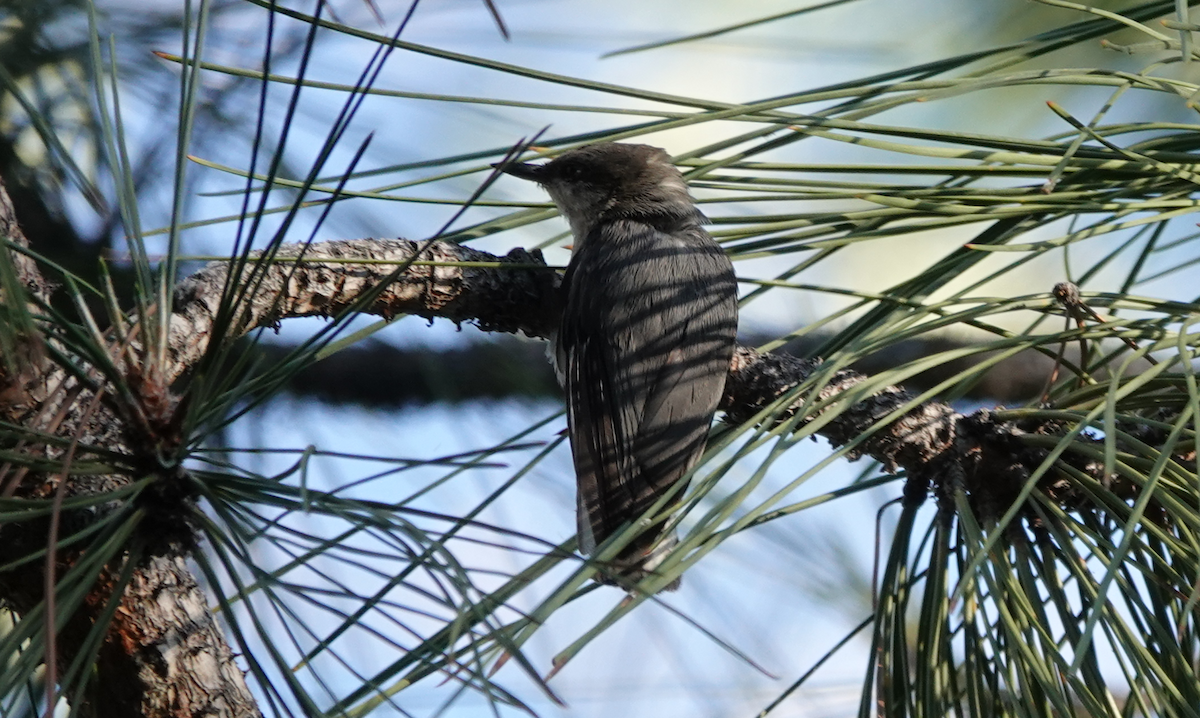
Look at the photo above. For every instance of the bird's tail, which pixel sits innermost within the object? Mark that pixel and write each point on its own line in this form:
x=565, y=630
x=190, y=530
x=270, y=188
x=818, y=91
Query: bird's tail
x=639, y=559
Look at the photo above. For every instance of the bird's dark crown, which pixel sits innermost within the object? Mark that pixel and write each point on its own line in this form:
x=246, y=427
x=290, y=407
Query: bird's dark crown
x=619, y=168
x=613, y=180
x=608, y=164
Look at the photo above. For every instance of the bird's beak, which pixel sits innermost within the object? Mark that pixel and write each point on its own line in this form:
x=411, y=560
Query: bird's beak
x=523, y=170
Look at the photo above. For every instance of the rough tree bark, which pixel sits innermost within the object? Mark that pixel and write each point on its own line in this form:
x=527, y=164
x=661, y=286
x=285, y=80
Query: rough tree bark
x=164, y=654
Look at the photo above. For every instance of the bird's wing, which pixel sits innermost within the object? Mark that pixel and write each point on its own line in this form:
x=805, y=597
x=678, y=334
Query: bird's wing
x=645, y=349
x=601, y=427
x=680, y=405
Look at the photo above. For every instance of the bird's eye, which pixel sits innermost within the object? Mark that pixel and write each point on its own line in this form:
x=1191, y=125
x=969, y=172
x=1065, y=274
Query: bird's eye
x=573, y=173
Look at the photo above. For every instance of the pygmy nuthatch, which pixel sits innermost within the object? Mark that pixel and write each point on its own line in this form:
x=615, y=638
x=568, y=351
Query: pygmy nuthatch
x=646, y=337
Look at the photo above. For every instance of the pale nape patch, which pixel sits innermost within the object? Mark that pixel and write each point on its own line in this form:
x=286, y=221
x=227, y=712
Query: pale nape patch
x=672, y=181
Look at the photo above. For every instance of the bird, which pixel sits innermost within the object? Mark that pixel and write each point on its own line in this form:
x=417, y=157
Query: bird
x=648, y=329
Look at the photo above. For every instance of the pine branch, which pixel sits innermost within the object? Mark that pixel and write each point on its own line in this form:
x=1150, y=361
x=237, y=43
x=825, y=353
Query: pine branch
x=937, y=447
x=384, y=277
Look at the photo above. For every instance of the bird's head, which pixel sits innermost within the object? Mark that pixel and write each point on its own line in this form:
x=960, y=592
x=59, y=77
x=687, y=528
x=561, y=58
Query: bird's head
x=610, y=181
